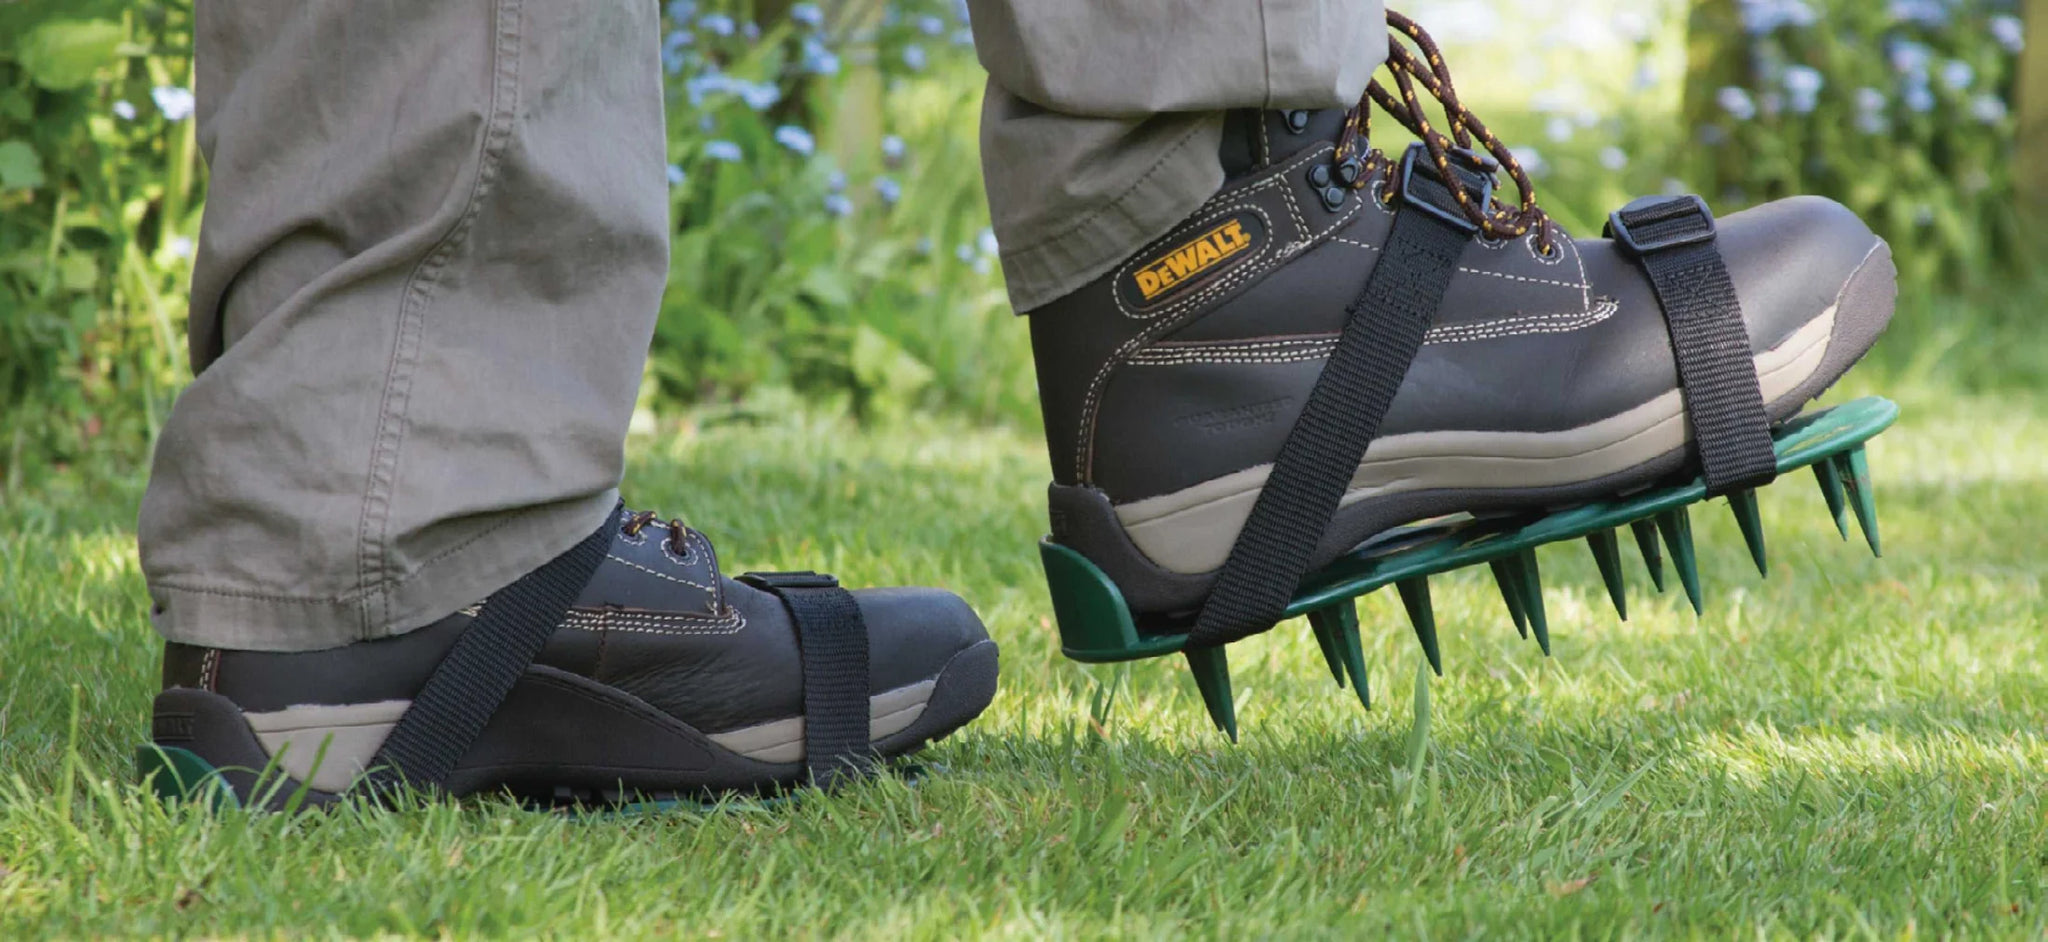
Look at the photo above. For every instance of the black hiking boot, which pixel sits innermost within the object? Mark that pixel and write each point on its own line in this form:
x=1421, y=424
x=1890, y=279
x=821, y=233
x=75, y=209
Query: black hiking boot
x=664, y=679
x=1548, y=373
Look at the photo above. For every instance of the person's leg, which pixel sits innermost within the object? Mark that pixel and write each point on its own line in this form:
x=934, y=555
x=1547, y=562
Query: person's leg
x=1103, y=121
x=427, y=279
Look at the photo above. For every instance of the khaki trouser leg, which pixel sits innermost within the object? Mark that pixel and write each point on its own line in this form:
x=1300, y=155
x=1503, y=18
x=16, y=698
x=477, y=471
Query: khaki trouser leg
x=427, y=278
x=1103, y=118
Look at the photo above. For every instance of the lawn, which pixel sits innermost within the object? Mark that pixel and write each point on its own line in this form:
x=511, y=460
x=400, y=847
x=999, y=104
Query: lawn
x=1850, y=747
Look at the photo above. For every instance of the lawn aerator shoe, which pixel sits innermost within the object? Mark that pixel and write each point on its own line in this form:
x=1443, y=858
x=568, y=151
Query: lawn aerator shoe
x=629, y=669
x=1340, y=343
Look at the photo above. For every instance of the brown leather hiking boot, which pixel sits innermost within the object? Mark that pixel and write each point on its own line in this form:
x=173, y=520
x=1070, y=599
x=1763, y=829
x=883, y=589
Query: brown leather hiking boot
x=1544, y=368
x=662, y=678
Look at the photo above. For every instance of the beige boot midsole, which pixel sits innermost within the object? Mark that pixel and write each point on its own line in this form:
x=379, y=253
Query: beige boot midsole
x=352, y=733
x=1191, y=530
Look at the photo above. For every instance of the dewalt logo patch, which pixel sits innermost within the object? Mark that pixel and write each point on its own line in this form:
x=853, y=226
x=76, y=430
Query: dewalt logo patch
x=1166, y=274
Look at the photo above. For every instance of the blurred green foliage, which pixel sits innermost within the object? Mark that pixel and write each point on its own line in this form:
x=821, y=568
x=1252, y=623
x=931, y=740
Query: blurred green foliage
x=831, y=237
x=1901, y=110
x=99, y=200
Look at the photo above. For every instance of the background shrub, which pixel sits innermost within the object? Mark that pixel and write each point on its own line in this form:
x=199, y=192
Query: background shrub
x=831, y=239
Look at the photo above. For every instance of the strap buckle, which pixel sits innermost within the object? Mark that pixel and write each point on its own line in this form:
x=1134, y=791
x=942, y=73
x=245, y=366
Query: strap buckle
x=804, y=579
x=1475, y=175
x=1661, y=223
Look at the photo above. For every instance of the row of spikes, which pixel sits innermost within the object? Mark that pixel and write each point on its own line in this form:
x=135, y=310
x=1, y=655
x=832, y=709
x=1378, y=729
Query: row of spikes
x=1844, y=485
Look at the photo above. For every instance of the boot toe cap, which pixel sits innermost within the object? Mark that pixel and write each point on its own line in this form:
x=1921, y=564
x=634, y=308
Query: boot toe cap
x=913, y=633
x=1794, y=259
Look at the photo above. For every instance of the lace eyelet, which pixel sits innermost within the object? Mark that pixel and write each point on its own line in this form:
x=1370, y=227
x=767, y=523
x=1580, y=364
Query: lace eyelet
x=1380, y=198
x=668, y=549
x=1554, y=257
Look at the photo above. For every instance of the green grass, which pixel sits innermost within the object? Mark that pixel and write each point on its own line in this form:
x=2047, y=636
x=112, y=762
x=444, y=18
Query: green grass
x=1850, y=748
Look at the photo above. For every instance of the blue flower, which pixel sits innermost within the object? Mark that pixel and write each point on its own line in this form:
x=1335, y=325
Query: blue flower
x=1958, y=75
x=1917, y=96
x=709, y=82
x=986, y=241
x=889, y=190
x=1908, y=57
x=2009, y=32
x=681, y=10
x=750, y=29
x=838, y=205
x=931, y=25
x=1530, y=158
x=1736, y=102
x=1920, y=12
x=759, y=96
x=174, y=101
x=892, y=148
x=675, y=51
x=1989, y=109
x=676, y=176
x=808, y=14
x=724, y=150
x=1760, y=17
x=835, y=182
x=1613, y=158
x=963, y=37
x=964, y=252
x=796, y=139
x=1873, y=123
x=818, y=60
x=124, y=110
x=1804, y=80
x=1870, y=99
x=913, y=57
x=717, y=24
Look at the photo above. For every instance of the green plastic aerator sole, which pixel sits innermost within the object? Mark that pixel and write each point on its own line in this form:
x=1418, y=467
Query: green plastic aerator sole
x=1096, y=626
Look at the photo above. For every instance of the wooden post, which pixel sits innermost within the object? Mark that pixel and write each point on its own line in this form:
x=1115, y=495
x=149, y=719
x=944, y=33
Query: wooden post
x=2030, y=160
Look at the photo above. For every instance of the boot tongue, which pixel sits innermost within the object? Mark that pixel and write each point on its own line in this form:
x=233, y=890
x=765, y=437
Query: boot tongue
x=1254, y=140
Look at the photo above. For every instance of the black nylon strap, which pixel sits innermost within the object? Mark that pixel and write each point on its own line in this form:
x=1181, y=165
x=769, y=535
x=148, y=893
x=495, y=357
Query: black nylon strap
x=1383, y=331
x=471, y=682
x=1673, y=239
x=834, y=644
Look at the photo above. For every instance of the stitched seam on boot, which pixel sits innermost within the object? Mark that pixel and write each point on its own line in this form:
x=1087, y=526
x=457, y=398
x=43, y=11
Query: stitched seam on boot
x=373, y=559
x=1189, y=309
x=1298, y=351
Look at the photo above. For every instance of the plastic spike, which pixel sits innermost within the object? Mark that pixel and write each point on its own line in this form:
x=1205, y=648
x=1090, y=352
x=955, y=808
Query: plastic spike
x=1328, y=624
x=1653, y=555
x=1211, y=668
x=1606, y=546
x=1751, y=521
x=1509, y=584
x=1336, y=628
x=1415, y=598
x=1831, y=490
x=1676, y=526
x=1532, y=597
x=1855, y=468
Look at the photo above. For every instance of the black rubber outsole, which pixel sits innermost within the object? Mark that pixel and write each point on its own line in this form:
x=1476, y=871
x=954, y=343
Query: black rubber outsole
x=563, y=741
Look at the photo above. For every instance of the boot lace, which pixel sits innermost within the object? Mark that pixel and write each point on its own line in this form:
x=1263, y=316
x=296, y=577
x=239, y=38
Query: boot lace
x=1496, y=220
x=676, y=530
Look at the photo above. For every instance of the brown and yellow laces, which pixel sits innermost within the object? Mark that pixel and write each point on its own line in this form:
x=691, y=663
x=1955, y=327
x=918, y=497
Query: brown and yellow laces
x=676, y=529
x=1496, y=221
